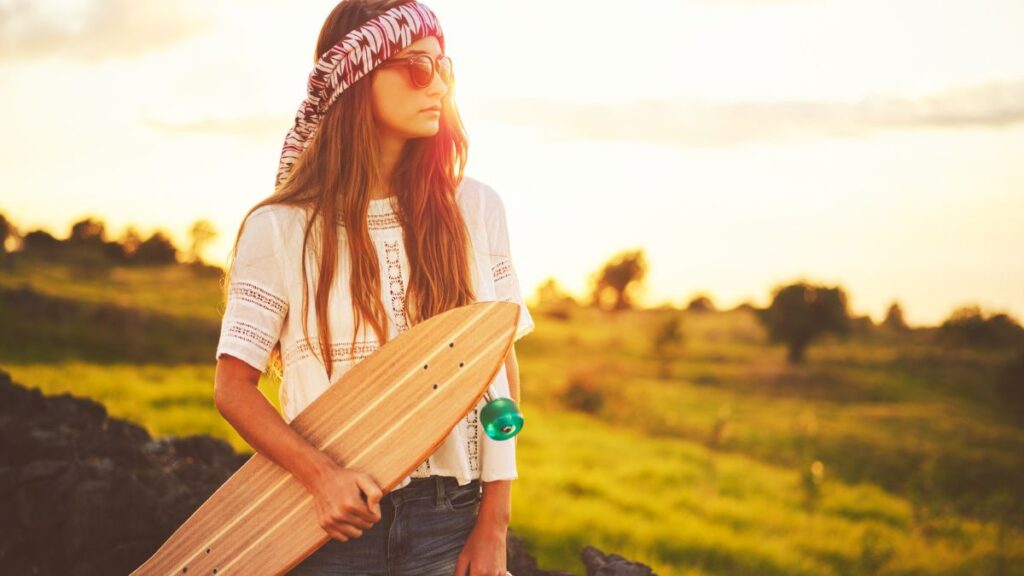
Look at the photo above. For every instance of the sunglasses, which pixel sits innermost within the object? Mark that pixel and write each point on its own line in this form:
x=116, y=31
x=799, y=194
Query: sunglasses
x=422, y=69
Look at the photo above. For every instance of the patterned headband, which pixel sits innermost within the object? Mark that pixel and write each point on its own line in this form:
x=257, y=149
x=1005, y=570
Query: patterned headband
x=353, y=57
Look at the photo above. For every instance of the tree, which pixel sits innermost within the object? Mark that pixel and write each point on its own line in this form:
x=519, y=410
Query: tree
x=87, y=248
x=801, y=313
x=41, y=243
x=6, y=230
x=968, y=326
x=618, y=278
x=862, y=325
x=202, y=232
x=701, y=303
x=550, y=292
x=894, y=319
x=87, y=231
x=130, y=241
x=554, y=302
x=156, y=250
x=746, y=307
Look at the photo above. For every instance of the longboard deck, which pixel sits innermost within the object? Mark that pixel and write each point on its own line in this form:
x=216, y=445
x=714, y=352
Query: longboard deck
x=384, y=416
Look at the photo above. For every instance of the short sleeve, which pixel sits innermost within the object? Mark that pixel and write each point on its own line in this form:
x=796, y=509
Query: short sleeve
x=257, y=301
x=506, y=282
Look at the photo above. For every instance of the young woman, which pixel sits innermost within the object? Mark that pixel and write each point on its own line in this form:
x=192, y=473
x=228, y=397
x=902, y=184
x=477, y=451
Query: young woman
x=371, y=229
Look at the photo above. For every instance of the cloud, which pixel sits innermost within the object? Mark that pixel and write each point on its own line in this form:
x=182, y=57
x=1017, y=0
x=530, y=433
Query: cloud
x=994, y=104
x=692, y=123
x=256, y=127
x=701, y=124
x=92, y=30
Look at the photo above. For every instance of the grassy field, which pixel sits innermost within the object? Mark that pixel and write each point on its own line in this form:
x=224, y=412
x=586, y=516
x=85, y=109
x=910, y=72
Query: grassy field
x=880, y=455
x=175, y=291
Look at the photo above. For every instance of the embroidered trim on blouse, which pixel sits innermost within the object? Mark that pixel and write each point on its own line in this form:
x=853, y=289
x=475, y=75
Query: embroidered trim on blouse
x=340, y=351
x=377, y=221
x=473, y=442
x=249, y=292
x=396, y=286
x=250, y=334
x=501, y=270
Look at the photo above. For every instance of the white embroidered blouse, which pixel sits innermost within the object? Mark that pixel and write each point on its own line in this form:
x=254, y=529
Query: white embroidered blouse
x=265, y=302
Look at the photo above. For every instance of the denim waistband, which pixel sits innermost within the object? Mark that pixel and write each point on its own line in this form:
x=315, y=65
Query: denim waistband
x=431, y=487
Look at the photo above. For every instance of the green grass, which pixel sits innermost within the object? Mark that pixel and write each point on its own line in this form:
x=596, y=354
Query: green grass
x=668, y=502
x=176, y=291
x=705, y=471
x=915, y=420
x=165, y=400
x=674, y=504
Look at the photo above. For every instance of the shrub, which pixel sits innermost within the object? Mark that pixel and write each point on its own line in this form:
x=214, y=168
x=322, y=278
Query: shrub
x=968, y=326
x=583, y=392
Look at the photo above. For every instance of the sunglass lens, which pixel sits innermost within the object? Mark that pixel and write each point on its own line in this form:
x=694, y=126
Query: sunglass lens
x=445, y=70
x=422, y=72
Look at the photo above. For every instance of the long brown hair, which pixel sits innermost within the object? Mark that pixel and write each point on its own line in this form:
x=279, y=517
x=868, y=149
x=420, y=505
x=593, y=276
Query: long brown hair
x=332, y=181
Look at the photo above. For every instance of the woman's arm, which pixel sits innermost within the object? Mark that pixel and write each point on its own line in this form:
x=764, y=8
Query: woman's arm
x=239, y=400
x=485, y=549
x=336, y=490
x=496, y=502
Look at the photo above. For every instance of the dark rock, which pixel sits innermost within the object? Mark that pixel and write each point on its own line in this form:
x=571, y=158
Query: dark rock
x=519, y=562
x=600, y=564
x=101, y=488
x=82, y=493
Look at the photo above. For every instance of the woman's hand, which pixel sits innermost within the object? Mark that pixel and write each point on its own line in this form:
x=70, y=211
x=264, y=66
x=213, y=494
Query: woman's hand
x=484, y=552
x=338, y=498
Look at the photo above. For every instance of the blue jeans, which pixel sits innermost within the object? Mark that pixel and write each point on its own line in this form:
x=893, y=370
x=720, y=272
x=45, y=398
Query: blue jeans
x=422, y=530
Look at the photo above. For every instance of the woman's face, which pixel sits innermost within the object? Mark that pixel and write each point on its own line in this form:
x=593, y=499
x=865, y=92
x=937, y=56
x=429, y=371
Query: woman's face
x=398, y=105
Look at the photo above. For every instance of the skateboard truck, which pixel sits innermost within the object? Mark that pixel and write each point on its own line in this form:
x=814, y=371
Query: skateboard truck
x=500, y=417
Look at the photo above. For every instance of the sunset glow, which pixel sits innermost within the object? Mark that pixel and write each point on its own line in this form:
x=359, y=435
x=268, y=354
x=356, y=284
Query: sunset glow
x=741, y=143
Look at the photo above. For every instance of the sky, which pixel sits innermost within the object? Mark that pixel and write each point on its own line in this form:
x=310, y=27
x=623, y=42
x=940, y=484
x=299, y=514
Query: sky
x=742, y=144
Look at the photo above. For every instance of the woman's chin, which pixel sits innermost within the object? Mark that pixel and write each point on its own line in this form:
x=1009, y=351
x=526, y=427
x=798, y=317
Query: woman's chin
x=427, y=129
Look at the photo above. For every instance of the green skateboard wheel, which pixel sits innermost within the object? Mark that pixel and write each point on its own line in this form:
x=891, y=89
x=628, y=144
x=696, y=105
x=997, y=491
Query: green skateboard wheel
x=501, y=419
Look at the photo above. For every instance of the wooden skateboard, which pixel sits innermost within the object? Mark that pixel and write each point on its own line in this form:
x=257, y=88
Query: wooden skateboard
x=384, y=417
